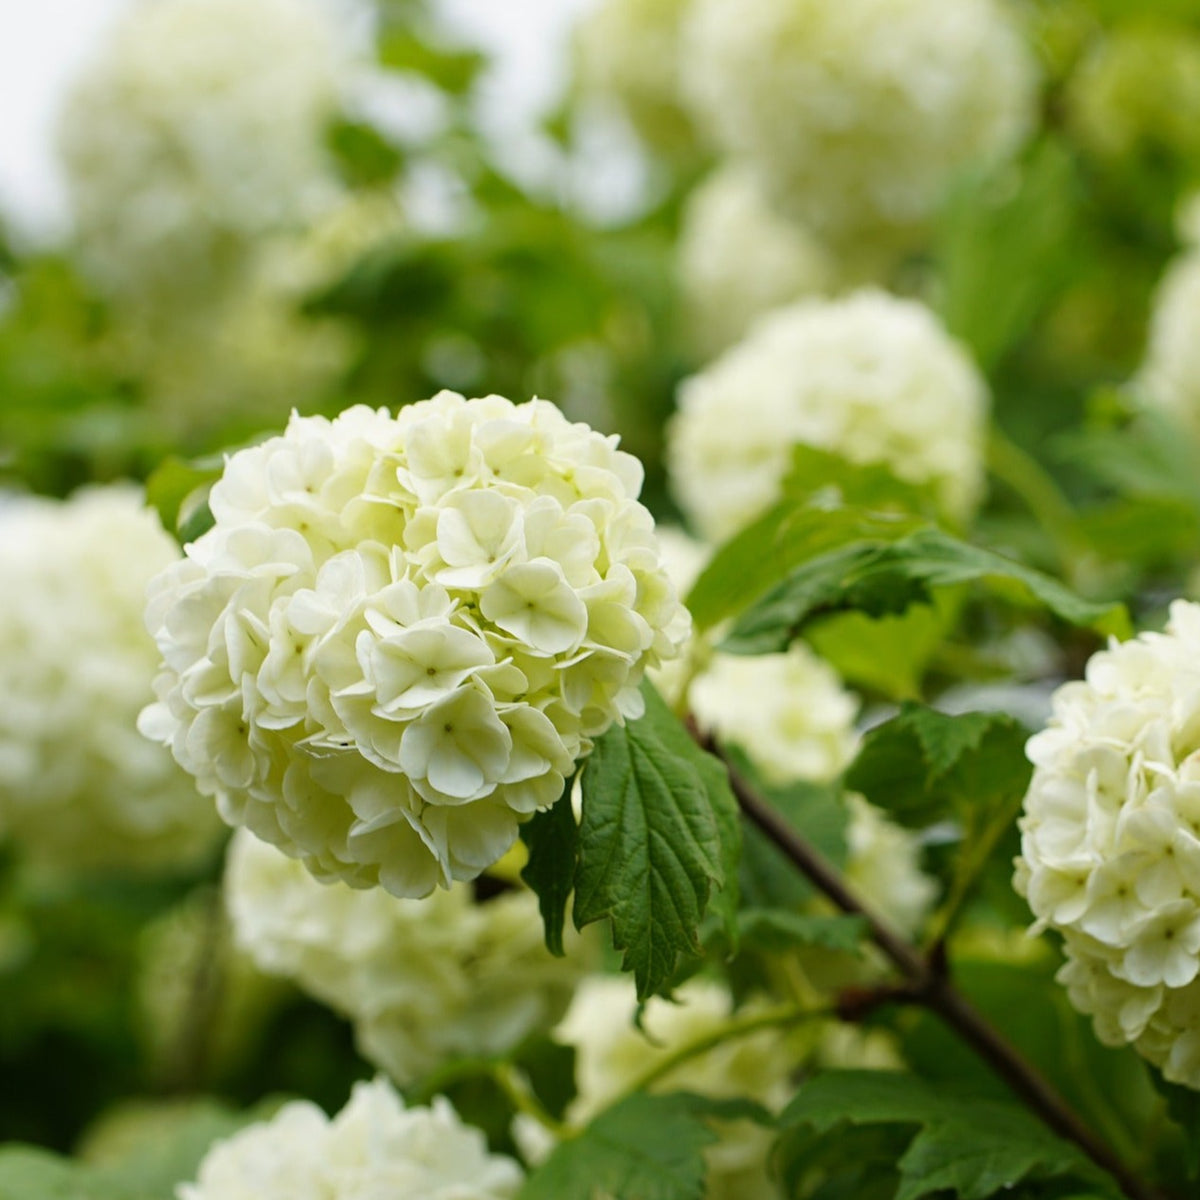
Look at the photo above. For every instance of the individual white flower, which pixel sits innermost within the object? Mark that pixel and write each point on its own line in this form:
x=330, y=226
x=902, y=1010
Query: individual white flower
x=1110, y=841
x=737, y=258
x=857, y=115
x=612, y=1055
x=1169, y=378
x=374, y=1147
x=871, y=377
x=402, y=633
x=78, y=786
x=629, y=50
x=197, y=129
x=423, y=981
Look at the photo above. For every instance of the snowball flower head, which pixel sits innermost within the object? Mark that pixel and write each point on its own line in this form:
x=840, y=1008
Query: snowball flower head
x=1169, y=379
x=374, y=1147
x=857, y=114
x=402, y=632
x=737, y=257
x=78, y=786
x=423, y=981
x=197, y=129
x=612, y=1054
x=871, y=377
x=1110, y=842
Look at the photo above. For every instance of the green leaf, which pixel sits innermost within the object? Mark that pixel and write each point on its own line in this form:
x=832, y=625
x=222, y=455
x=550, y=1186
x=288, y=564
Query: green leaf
x=882, y=577
x=364, y=156
x=29, y=1173
x=969, y=1146
x=777, y=930
x=784, y=537
x=178, y=491
x=643, y=1148
x=552, y=838
x=650, y=841
x=923, y=765
x=1006, y=250
x=1183, y=1107
x=821, y=475
x=452, y=70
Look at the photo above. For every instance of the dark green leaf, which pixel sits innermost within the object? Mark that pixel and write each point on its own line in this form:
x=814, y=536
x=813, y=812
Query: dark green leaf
x=643, y=1148
x=1183, y=1107
x=364, y=156
x=882, y=577
x=178, y=491
x=650, y=844
x=969, y=1146
x=923, y=765
x=552, y=838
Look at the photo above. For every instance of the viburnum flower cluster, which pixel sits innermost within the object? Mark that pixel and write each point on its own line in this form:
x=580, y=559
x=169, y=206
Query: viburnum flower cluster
x=1110, y=842
x=737, y=258
x=423, y=981
x=871, y=377
x=857, y=115
x=374, y=1147
x=402, y=632
x=199, y=127
x=78, y=786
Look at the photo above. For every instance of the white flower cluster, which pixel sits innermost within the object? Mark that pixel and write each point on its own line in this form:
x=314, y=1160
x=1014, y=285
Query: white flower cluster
x=612, y=1055
x=1169, y=378
x=423, y=981
x=401, y=633
x=78, y=786
x=199, y=128
x=871, y=377
x=374, y=1147
x=737, y=258
x=629, y=50
x=1110, y=842
x=858, y=114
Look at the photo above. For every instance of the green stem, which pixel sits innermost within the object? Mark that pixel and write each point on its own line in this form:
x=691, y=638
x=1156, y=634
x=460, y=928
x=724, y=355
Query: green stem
x=521, y=1096
x=738, y=1027
x=1024, y=475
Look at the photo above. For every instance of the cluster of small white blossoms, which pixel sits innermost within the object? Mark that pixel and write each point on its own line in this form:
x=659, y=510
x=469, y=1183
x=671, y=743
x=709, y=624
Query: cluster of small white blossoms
x=374, y=1147
x=78, y=786
x=629, y=50
x=858, y=114
x=871, y=377
x=199, y=127
x=737, y=258
x=612, y=1055
x=1110, y=842
x=423, y=981
x=401, y=633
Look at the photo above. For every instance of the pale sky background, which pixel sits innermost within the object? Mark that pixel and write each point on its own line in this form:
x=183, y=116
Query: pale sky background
x=42, y=45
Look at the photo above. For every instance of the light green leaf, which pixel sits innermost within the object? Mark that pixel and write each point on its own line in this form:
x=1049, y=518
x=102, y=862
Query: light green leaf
x=643, y=1148
x=650, y=841
x=178, y=490
x=969, y=1146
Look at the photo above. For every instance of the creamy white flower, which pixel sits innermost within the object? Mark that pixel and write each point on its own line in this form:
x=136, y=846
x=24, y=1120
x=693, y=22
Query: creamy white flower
x=198, y=128
x=385, y=690
x=1110, y=841
x=423, y=981
x=1169, y=378
x=78, y=785
x=374, y=1147
x=857, y=115
x=737, y=258
x=871, y=377
x=612, y=1055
